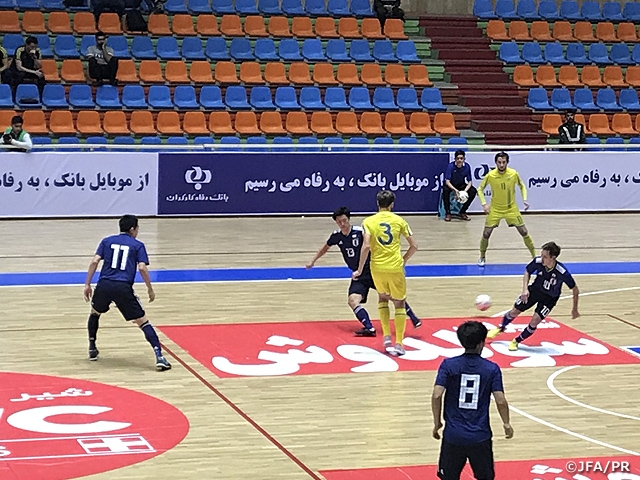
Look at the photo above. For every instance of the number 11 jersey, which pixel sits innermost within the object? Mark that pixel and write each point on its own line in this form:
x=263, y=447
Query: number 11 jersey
x=386, y=228
x=121, y=255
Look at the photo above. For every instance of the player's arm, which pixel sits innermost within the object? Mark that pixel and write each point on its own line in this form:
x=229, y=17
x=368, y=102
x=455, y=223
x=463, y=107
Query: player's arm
x=436, y=409
x=523, y=191
x=413, y=248
x=525, y=286
x=93, y=266
x=144, y=273
x=571, y=283
x=325, y=248
x=503, y=410
x=364, y=254
x=481, y=187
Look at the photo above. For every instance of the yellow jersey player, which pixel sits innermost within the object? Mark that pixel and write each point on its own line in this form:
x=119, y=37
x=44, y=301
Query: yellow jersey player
x=382, y=233
x=503, y=181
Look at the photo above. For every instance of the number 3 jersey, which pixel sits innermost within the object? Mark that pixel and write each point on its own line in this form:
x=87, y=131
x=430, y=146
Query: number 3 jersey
x=385, y=229
x=469, y=380
x=549, y=282
x=350, y=246
x=121, y=255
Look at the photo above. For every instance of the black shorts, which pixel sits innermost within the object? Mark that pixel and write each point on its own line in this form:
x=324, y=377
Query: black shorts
x=545, y=303
x=361, y=286
x=454, y=457
x=120, y=293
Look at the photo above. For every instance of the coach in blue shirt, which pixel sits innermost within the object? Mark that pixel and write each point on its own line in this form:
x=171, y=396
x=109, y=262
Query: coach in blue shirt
x=457, y=178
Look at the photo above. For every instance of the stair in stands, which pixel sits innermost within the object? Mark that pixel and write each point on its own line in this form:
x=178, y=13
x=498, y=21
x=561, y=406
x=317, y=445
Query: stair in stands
x=497, y=109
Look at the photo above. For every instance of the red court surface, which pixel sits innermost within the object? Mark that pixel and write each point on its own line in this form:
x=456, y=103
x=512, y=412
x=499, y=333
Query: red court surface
x=306, y=348
x=56, y=428
x=593, y=468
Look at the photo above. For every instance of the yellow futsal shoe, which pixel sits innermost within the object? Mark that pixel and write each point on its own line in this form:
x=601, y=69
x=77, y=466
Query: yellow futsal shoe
x=513, y=345
x=493, y=333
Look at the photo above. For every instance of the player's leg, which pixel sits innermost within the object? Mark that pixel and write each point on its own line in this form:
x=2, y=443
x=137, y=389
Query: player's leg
x=518, y=307
x=481, y=460
x=446, y=200
x=543, y=309
x=355, y=301
x=491, y=222
x=99, y=304
x=522, y=230
x=451, y=462
x=398, y=287
x=417, y=323
x=152, y=337
x=383, y=307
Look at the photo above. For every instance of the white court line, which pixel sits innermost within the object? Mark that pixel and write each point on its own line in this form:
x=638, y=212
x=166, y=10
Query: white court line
x=553, y=388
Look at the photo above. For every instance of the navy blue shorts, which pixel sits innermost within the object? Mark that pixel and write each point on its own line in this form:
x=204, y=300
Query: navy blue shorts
x=454, y=457
x=120, y=293
x=361, y=286
x=544, y=303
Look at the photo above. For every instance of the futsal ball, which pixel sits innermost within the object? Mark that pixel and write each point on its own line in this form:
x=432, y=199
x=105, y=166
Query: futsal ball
x=483, y=302
x=464, y=196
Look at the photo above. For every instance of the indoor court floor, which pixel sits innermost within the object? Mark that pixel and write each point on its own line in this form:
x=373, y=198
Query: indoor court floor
x=268, y=381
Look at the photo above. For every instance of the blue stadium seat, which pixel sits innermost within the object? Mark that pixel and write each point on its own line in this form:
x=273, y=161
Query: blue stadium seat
x=198, y=6
x=359, y=51
x=6, y=96
x=336, y=50
x=269, y=7
x=312, y=50
x=50, y=5
x=122, y=140
x=150, y=141
x=240, y=49
x=335, y=98
x=310, y=99
x=86, y=42
x=606, y=100
x=383, y=99
x=142, y=48
x=53, y=96
x=265, y=50
x=408, y=99
x=509, y=53
x=256, y=141
x=431, y=99
x=554, y=54
x=527, y=11
x=27, y=91
x=175, y=6
x=184, y=97
x=80, y=96
x=635, y=53
x=614, y=141
x=634, y=141
x=382, y=141
x=64, y=46
x=178, y=141
x=334, y=143
x=167, y=48
x=315, y=8
x=286, y=98
x=215, y=49
x=561, y=99
x=484, y=9
x=7, y=4
x=97, y=141
x=246, y=7
x=569, y=10
x=338, y=8
x=119, y=45
x=282, y=141
x=211, y=97
x=408, y=141
x=593, y=141
x=629, y=100
x=44, y=44
x=591, y=11
x=537, y=99
x=361, y=8
x=159, y=97
x=69, y=141
x=620, y=54
x=548, y=10
x=230, y=141
x=358, y=141
x=260, y=98
x=532, y=53
x=42, y=141
x=192, y=49
x=289, y=50
x=222, y=7
x=200, y=140
x=612, y=12
x=383, y=51
x=583, y=100
x=359, y=99
x=11, y=42
x=576, y=54
x=505, y=10
x=598, y=54
x=293, y=8
x=432, y=141
x=236, y=98
x=458, y=141
x=107, y=96
x=631, y=11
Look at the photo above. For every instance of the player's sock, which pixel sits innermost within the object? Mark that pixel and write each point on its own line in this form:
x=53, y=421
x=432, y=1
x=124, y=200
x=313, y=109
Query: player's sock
x=414, y=318
x=152, y=337
x=385, y=318
x=484, y=244
x=526, y=333
x=400, y=321
x=362, y=315
x=92, y=327
x=506, y=320
x=528, y=241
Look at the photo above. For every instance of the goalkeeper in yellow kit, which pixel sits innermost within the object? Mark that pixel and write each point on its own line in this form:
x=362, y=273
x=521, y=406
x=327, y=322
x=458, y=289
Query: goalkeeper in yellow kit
x=503, y=181
x=382, y=233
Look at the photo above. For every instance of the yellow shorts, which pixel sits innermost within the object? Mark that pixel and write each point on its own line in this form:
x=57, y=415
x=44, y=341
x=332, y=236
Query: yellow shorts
x=391, y=283
x=511, y=216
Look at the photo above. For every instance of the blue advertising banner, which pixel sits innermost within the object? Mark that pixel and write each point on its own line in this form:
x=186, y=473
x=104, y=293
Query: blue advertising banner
x=258, y=183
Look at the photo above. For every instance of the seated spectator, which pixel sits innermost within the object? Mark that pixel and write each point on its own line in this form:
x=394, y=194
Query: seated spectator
x=15, y=136
x=4, y=66
x=457, y=179
x=103, y=66
x=571, y=131
x=26, y=66
x=387, y=9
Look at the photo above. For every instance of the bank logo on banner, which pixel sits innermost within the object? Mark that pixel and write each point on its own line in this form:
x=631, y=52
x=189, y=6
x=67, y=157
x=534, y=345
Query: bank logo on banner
x=197, y=176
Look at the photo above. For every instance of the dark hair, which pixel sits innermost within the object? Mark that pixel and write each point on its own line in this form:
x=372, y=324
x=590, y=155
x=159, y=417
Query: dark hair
x=341, y=211
x=502, y=155
x=16, y=119
x=471, y=334
x=127, y=222
x=31, y=39
x=459, y=152
x=552, y=248
x=385, y=198
x=100, y=34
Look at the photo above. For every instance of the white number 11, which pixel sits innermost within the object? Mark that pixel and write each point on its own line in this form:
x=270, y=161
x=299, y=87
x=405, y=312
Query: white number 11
x=116, y=253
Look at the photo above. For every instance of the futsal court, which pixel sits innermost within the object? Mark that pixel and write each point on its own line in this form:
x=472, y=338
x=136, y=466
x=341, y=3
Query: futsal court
x=268, y=381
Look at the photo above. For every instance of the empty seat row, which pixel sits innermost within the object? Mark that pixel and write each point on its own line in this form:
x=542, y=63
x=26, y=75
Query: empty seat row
x=554, y=53
x=334, y=8
x=46, y=5
x=583, y=99
x=568, y=76
x=598, y=123
x=562, y=31
x=59, y=22
x=548, y=10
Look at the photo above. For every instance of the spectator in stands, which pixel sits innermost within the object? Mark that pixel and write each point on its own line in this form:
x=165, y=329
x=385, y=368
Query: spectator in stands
x=571, y=131
x=103, y=66
x=4, y=66
x=27, y=65
x=101, y=6
x=457, y=179
x=15, y=136
x=387, y=9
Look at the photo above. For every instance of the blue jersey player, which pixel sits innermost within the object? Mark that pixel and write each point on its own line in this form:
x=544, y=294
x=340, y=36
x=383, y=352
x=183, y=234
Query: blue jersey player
x=544, y=293
x=349, y=239
x=467, y=382
x=122, y=255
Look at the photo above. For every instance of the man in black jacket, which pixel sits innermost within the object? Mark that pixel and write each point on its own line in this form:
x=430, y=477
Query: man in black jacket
x=571, y=131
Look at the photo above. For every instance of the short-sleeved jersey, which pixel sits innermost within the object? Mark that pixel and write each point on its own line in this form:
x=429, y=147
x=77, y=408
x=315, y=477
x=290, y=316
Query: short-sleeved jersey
x=549, y=282
x=27, y=60
x=350, y=246
x=503, y=189
x=469, y=381
x=386, y=228
x=458, y=176
x=121, y=255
